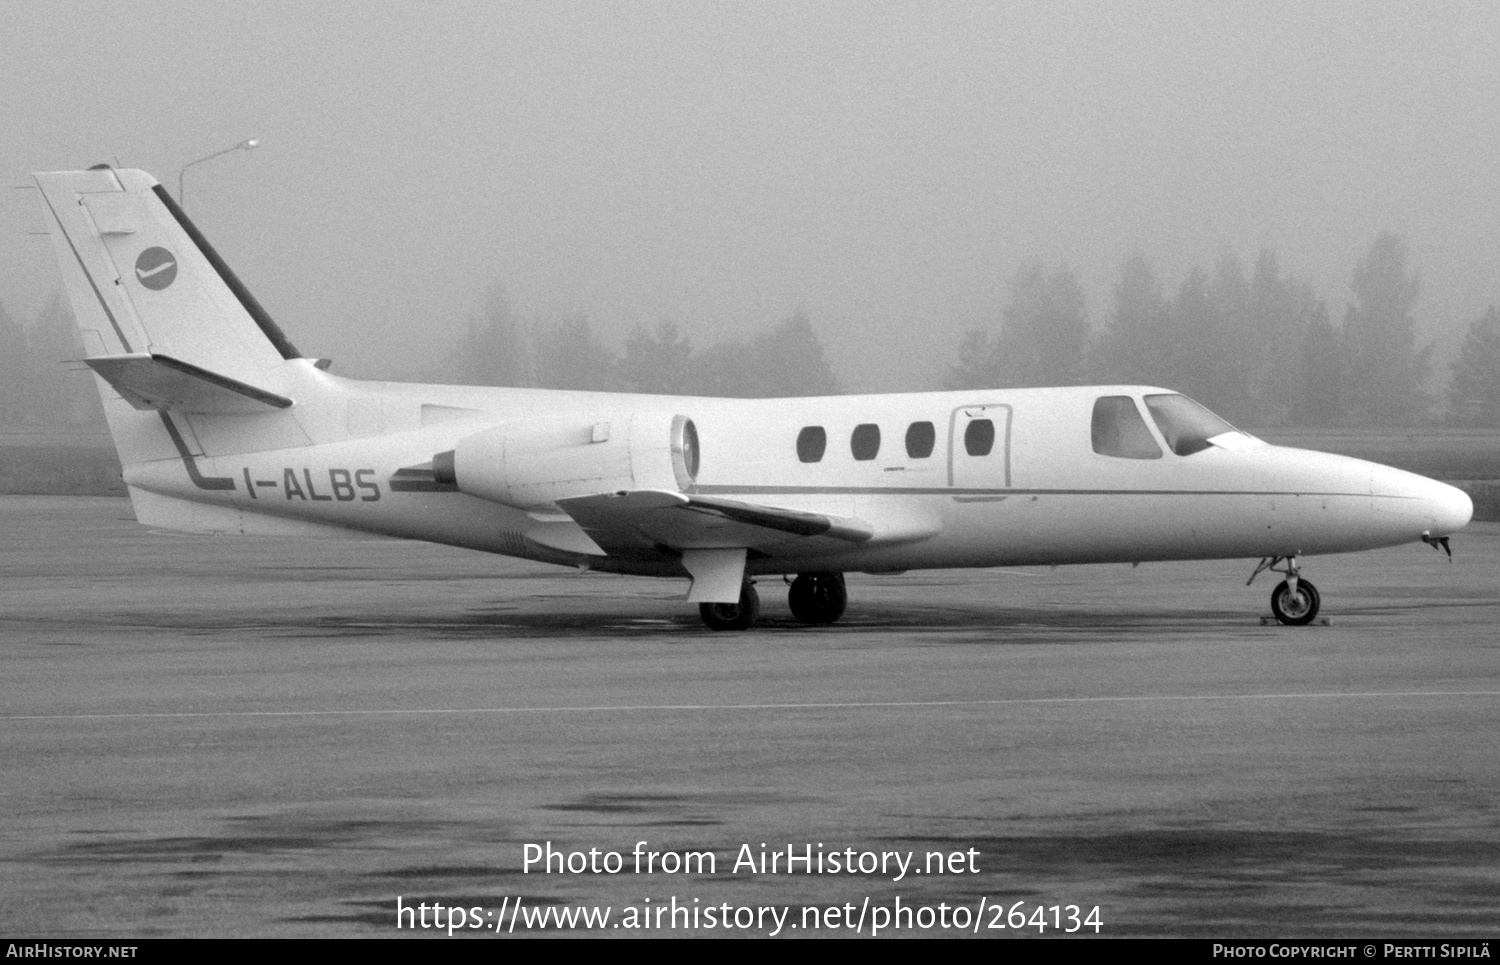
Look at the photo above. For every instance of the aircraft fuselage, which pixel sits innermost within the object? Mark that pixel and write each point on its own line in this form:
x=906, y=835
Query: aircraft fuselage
x=1040, y=495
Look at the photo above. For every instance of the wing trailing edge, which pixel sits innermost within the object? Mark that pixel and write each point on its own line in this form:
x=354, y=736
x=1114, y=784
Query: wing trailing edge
x=648, y=517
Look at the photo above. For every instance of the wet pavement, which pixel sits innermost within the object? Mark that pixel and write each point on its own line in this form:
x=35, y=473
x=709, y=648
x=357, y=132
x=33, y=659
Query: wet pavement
x=214, y=736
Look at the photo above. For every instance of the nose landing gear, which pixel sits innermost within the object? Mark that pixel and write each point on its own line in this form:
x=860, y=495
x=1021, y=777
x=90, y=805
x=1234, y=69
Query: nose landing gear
x=1295, y=601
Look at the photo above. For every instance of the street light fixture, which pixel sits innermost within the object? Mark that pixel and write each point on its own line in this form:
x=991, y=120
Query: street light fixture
x=249, y=145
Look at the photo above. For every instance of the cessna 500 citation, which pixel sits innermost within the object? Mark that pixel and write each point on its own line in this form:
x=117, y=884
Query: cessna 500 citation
x=222, y=426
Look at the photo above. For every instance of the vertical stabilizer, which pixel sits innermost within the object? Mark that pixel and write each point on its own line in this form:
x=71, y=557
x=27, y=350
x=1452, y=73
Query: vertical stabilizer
x=176, y=338
x=143, y=279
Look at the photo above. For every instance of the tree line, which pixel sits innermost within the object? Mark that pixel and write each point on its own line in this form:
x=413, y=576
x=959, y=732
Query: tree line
x=1255, y=344
x=786, y=359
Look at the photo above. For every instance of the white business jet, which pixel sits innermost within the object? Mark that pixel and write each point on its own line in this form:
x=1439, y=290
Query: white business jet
x=222, y=426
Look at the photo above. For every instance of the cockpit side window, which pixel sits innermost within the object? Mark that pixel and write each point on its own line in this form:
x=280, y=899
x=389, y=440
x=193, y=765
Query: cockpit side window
x=1185, y=424
x=1120, y=431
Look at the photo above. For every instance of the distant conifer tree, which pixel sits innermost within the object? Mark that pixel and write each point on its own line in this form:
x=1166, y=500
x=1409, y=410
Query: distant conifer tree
x=1385, y=367
x=1474, y=396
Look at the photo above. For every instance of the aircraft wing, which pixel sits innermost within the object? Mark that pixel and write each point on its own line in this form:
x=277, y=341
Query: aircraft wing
x=628, y=522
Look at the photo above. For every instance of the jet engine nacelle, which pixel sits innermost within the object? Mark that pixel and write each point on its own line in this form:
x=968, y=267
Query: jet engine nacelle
x=530, y=465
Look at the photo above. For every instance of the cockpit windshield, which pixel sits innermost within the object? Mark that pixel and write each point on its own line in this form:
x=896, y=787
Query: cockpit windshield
x=1186, y=425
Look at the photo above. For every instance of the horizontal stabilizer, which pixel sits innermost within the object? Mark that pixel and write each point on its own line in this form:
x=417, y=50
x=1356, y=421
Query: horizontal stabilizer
x=630, y=520
x=150, y=381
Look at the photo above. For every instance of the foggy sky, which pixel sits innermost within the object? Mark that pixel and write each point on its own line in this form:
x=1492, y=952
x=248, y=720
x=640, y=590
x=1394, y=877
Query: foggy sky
x=886, y=167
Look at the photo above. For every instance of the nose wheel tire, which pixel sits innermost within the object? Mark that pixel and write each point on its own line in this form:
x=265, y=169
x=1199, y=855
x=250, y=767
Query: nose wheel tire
x=732, y=616
x=818, y=597
x=1295, y=609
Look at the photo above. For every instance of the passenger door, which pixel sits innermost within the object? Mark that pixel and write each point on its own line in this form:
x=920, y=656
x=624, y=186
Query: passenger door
x=979, y=447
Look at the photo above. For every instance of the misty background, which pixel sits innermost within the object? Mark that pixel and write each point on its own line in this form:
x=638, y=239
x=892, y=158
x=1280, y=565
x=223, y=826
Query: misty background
x=1285, y=210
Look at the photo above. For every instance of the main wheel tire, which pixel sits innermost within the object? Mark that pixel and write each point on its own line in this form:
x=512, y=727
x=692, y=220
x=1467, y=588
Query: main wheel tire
x=818, y=597
x=732, y=616
x=1295, y=609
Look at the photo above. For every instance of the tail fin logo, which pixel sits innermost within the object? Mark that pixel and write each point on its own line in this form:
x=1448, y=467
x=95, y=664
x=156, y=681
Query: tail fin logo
x=156, y=268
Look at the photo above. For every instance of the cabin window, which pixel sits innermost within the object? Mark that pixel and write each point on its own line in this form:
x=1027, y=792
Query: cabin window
x=920, y=438
x=1185, y=424
x=865, y=442
x=1120, y=431
x=811, y=442
x=979, y=437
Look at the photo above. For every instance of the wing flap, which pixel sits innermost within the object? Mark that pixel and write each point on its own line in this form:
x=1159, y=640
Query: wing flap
x=638, y=519
x=151, y=381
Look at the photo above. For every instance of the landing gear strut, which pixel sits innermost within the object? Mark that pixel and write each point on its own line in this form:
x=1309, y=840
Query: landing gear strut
x=732, y=616
x=1295, y=601
x=818, y=597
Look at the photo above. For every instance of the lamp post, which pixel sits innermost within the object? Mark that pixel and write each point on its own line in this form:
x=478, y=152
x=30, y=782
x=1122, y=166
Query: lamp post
x=249, y=145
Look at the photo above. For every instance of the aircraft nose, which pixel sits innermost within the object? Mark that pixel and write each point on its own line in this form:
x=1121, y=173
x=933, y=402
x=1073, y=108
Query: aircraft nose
x=1451, y=508
x=1438, y=508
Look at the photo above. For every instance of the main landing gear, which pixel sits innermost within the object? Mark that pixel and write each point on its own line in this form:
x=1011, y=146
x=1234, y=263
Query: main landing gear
x=1295, y=601
x=732, y=616
x=815, y=598
x=818, y=597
